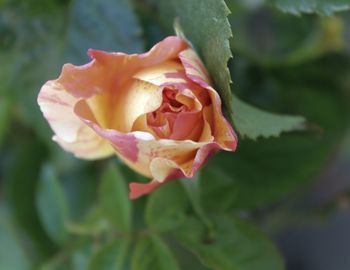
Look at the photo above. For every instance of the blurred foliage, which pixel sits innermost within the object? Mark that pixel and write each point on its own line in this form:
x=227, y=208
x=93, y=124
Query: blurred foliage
x=319, y=6
x=57, y=212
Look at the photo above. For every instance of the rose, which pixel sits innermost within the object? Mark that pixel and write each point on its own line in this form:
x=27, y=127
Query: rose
x=157, y=111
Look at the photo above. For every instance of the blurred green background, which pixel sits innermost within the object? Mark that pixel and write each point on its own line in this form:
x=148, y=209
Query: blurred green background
x=276, y=203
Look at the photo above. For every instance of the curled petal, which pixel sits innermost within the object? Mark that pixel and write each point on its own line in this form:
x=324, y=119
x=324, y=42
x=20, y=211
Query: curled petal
x=139, y=189
x=167, y=170
x=193, y=65
x=138, y=149
x=222, y=130
x=135, y=99
x=157, y=74
x=71, y=133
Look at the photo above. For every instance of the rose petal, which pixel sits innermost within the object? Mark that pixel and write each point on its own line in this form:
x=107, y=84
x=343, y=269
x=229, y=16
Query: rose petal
x=168, y=170
x=112, y=95
x=157, y=74
x=71, y=133
x=84, y=81
x=193, y=65
x=222, y=131
x=135, y=99
x=195, y=71
x=139, y=189
x=187, y=125
x=107, y=76
x=160, y=159
x=136, y=151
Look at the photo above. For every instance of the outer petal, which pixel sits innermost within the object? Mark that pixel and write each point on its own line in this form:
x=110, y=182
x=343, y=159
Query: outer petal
x=71, y=133
x=171, y=170
x=140, y=149
x=103, y=80
x=162, y=160
x=195, y=71
x=157, y=74
x=111, y=70
x=96, y=82
x=193, y=65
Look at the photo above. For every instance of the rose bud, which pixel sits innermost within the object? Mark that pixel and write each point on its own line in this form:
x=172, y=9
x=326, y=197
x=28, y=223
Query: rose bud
x=157, y=111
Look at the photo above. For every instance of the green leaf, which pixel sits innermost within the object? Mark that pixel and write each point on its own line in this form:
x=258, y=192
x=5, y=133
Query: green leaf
x=323, y=7
x=93, y=224
x=221, y=194
x=292, y=39
x=21, y=176
x=11, y=252
x=269, y=170
x=192, y=187
x=5, y=117
x=165, y=208
x=52, y=207
x=81, y=256
x=61, y=34
x=105, y=25
x=151, y=253
x=252, y=122
x=209, y=31
x=113, y=197
x=112, y=256
x=43, y=35
x=236, y=245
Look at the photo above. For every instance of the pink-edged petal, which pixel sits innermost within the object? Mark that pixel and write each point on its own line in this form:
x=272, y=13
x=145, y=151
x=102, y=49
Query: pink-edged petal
x=157, y=74
x=102, y=82
x=193, y=65
x=161, y=168
x=128, y=65
x=168, y=170
x=139, y=149
x=84, y=81
x=160, y=159
x=71, y=133
x=139, y=189
x=222, y=131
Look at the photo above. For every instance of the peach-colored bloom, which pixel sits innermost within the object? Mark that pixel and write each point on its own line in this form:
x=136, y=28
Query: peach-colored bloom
x=157, y=111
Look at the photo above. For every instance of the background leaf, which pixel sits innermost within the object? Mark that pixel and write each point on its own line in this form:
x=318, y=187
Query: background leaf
x=152, y=253
x=21, y=174
x=165, y=209
x=111, y=256
x=52, y=207
x=252, y=122
x=113, y=197
x=5, y=117
x=266, y=171
x=12, y=255
x=236, y=245
x=324, y=7
x=108, y=25
x=208, y=29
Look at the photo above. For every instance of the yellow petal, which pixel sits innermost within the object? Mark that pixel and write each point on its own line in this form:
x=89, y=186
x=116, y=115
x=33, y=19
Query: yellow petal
x=71, y=133
x=135, y=99
x=157, y=74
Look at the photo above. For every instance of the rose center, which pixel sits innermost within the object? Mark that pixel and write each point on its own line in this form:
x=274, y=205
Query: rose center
x=162, y=120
